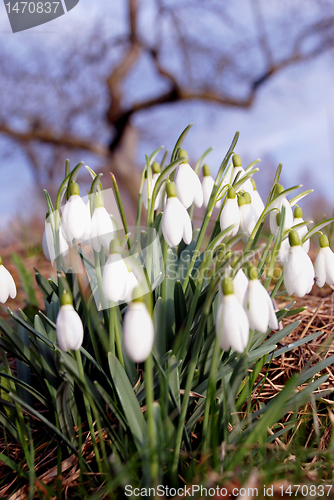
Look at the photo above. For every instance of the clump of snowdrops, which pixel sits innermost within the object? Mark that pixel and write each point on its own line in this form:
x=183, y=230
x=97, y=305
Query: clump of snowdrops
x=153, y=337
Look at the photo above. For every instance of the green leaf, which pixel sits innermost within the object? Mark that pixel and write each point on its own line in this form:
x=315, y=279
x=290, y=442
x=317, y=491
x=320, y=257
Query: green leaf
x=179, y=306
x=180, y=141
x=128, y=400
x=26, y=279
x=317, y=228
x=174, y=379
x=159, y=328
x=200, y=161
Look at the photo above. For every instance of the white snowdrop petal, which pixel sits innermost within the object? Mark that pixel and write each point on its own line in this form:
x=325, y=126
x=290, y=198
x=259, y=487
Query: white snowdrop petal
x=233, y=327
x=172, y=222
x=10, y=283
x=4, y=291
x=320, y=268
x=283, y=251
x=187, y=227
x=102, y=229
x=273, y=323
x=138, y=332
x=298, y=272
x=257, y=203
x=230, y=214
x=69, y=329
x=329, y=262
x=207, y=185
x=256, y=306
x=240, y=284
x=188, y=186
x=114, y=279
x=74, y=218
x=131, y=284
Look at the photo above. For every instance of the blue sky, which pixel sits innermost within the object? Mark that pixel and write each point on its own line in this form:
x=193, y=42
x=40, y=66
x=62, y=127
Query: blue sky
x=292, y=119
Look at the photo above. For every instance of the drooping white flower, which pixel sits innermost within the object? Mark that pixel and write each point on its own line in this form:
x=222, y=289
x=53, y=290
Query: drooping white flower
x=283, y=251
x=230, y=213
x=324, y=263
x=248, y=217
x=237, y=164
x=258, y=306
x=257, y=202
x=115, y=278
x=86, y=237
x=69, y=328
x=175, y=223
x=7, y=284
x=131, y=285
x=207, y=186
x=138, y=332
x=240, y=284
x=298, y=269
x=188, y=185
x=75, y=216
x=155, y=176
x=48, y=241
x=232, y=325
x=298, y=219
x=288, y=217
x=102, y=230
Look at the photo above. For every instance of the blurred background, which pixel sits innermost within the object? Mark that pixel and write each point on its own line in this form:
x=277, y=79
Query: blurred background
x=110, y=81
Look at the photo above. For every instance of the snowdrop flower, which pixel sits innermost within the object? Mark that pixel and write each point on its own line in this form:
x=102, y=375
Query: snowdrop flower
x=288, y=218
x=257, y=202
x=232, y=325
x=131, y=285
x=138, y=332
x=175, y=223
x=258, y=305
x=69, y=329
x=102, y=230
x=230, y=213
x=115, y=276
x=7, y=284
x=237, y=164
x=298, y=269
x=188, y=185
x=86, y=237
x=324, y=263
x=207, y=186
x=298, y=219
x=158, y=201
x=240, y=284
x=48, y=243
x=248, y=217
x=75, y=216
x=283, y=251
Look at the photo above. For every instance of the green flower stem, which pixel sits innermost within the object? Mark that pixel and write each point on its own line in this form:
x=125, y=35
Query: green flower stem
x=88, y=410
x=150, y=417
x=120, y=206
x=118, y=338
x=210, y=395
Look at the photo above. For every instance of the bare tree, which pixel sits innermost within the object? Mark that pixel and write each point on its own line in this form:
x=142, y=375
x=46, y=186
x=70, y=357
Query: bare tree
x=81, y=100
